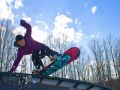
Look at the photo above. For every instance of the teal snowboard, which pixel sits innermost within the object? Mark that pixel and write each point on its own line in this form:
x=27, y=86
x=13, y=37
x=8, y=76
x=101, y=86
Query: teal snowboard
x=66, y=58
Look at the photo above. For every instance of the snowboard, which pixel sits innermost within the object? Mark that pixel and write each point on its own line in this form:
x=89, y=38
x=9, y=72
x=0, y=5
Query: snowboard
x=64, y=59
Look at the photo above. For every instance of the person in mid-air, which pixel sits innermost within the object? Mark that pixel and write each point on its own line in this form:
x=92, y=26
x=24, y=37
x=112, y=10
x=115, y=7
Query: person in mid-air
x=26, y=45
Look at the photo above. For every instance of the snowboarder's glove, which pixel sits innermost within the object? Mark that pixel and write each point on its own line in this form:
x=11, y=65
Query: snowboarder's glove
x=22, y=22
x=25, y=24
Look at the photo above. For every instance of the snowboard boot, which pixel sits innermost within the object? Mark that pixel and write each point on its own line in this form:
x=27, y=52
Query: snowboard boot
x=53, y=58
x=37, y=71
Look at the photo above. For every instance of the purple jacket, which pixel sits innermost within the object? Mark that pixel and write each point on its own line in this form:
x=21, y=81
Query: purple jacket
x=30, y=46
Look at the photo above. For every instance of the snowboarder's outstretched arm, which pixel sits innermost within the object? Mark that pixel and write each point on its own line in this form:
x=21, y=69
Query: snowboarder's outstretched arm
x=21, y=53
x=27, y=26
x=16, y=62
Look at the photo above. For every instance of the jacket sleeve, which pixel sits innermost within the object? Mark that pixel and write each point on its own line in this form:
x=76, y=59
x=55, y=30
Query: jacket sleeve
x=16, y=62
x=28, y=30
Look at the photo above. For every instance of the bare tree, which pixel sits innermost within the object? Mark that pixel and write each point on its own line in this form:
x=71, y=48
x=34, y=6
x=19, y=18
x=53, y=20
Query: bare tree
x=117, y=57
x=114, y=52
x=97, y=52
x=6, y=44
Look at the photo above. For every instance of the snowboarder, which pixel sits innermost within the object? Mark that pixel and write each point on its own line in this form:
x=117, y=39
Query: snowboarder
x=26, y=45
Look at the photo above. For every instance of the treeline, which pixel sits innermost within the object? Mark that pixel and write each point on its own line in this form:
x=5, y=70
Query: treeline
x=7, y=52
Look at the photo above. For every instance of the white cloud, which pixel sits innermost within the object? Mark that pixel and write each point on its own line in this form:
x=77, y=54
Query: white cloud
x=8, y=1
x=6, y=10
x=61, y=21
x=39, y=35
x=19, y=30
x=94, y=9
x=25, y=17
x=18, y=4
x=6, y=7
x=62, y=30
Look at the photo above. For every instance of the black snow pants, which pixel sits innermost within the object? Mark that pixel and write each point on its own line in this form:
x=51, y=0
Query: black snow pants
x=38, y=55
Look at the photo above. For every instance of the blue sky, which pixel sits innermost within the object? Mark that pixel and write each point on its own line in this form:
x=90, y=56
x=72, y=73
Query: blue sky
x=89, y=18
